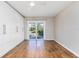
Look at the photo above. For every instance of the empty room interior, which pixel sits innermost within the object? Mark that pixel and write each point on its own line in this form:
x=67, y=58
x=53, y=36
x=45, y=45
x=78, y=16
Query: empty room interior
x=39, y=29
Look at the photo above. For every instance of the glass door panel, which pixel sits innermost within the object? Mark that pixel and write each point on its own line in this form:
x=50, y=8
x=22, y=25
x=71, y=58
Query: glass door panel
x=32, y=30
x=40, y=30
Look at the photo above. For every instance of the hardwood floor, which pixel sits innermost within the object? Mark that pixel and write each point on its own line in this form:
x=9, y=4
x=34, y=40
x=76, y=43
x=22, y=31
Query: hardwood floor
x=39, y=49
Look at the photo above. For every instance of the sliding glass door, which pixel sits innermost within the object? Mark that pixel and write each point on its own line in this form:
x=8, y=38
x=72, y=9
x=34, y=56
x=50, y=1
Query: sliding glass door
x=35, y=30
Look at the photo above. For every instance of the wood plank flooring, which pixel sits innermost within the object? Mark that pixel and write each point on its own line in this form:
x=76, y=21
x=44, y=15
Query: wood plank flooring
x=39, y=49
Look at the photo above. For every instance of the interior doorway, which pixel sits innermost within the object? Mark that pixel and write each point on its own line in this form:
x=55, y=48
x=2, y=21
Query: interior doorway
x=35, y=30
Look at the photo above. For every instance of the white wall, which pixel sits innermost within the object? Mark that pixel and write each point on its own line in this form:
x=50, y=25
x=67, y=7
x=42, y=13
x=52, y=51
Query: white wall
x=67, y=28
x=11, y=19
x=49, y=27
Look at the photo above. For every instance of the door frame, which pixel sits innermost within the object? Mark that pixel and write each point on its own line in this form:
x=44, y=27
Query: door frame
x=36, y=22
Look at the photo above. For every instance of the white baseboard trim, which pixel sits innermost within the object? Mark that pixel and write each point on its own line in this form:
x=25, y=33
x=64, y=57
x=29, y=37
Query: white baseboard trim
x=68, y=49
